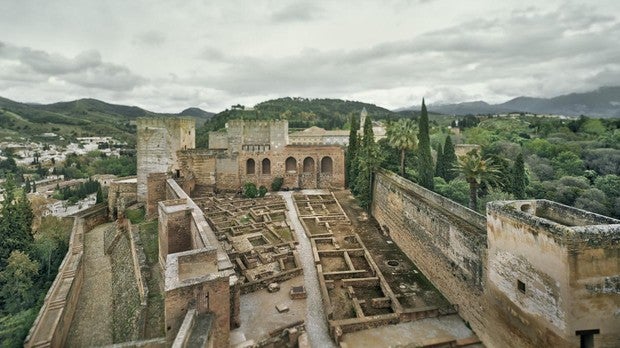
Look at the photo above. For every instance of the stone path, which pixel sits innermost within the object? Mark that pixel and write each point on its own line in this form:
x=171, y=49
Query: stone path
x=92, y=322
x=316, y=323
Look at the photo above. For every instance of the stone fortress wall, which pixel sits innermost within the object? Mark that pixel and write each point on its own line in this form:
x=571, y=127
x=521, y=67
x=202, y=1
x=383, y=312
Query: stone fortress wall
x=51, y=327
x=158, y=141
x=258, y=152
x=531, y=274
x=528, y=274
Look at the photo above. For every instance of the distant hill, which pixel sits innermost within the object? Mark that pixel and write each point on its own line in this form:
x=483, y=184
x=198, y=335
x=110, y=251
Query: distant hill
x=84, y=117
x=603, y=102
x=300, y=112
x=303, y=112
x=196, y=112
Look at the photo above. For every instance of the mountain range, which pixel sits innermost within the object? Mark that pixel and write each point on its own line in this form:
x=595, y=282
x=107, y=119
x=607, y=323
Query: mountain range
x=603, y=102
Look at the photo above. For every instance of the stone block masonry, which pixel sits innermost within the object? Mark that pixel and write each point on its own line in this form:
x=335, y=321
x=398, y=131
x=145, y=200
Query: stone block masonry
x=158, y=141
x=445, y=240
x=531, y=274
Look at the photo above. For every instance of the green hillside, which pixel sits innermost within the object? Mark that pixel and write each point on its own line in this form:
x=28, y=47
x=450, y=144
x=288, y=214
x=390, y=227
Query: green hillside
x=84, y=117
x=300, y=112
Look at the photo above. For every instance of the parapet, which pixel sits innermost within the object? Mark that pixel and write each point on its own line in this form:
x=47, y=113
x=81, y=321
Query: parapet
x=559, y=221
x=191, y=267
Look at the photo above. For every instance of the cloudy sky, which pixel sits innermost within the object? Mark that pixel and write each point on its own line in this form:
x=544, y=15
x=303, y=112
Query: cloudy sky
x=166, y=55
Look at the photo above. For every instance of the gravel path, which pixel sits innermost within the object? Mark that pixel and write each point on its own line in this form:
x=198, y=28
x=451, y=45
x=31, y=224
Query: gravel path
x=92, y=322
x=316, y=323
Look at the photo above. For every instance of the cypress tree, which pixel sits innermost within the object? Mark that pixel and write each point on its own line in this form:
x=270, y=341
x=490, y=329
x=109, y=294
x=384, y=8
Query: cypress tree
x=426, y=168
x=27, y=186
x=518, y=180
x=99, y=196
x=440, y=166
x=368, y=161
x=449, y=159
x=352, y=150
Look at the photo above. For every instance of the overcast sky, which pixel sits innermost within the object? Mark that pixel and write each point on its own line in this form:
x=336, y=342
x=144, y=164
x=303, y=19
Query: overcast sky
x=166, y=55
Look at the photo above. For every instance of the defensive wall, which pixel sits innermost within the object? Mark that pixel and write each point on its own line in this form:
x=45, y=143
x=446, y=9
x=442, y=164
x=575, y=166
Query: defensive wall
x=122, y=193
x=158, y=141
x=529, y=274
x=198, y=274
x=445, y=240
x=51, y=327
x=554, y=273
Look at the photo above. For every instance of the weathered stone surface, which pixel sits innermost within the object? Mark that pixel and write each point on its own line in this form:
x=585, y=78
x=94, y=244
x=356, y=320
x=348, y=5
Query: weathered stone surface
x=530, y=274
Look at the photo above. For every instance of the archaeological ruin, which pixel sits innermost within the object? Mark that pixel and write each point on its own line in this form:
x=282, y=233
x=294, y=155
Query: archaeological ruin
x=530, y=273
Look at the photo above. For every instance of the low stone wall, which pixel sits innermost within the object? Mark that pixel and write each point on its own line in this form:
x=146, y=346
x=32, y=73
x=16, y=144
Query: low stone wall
x=51, y=327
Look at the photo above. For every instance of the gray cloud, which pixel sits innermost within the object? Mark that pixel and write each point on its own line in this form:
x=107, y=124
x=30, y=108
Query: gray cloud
x=85, y=69
x=150, y=38
x=221, y=53
x=521, y=53
x=297, y=12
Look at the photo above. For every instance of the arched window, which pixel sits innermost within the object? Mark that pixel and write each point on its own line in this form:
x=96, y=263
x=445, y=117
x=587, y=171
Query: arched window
x=308, y=165
x=266, y=166
x=327, y=165
x=291, y=165
x=250, y=166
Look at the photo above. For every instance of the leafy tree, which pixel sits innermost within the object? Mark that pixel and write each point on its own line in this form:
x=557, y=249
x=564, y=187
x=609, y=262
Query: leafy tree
x=456, y=190
x=15, y=327
x=352, y=149
x=426, y=168
x=568, y=163
x=477, y=171
x=15, y=222
x=401, y=136
x=593, y=200
x=17, y=280
x=51, y=242
x=518, y=180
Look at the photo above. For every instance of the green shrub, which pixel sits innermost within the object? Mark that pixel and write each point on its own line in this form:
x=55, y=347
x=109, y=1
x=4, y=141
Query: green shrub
x=276, y=185
x=262, y=191
x=249, y=190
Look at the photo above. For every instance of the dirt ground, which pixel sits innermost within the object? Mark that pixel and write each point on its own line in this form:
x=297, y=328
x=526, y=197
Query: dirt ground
x=410, y=286
x=411, y=334
x=259, y=315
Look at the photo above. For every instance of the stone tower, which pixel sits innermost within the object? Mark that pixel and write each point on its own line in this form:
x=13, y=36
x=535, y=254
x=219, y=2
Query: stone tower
x=159, y=139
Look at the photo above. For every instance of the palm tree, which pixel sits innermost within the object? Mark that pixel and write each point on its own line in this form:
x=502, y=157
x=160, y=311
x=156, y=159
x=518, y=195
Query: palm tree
x=402, y=136
x=476, y=171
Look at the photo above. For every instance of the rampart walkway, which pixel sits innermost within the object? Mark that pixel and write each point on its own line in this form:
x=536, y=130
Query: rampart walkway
x=92, y=323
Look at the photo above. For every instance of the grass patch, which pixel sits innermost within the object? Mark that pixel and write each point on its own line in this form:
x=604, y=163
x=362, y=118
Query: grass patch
x=150, y=242
x=136, y=216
